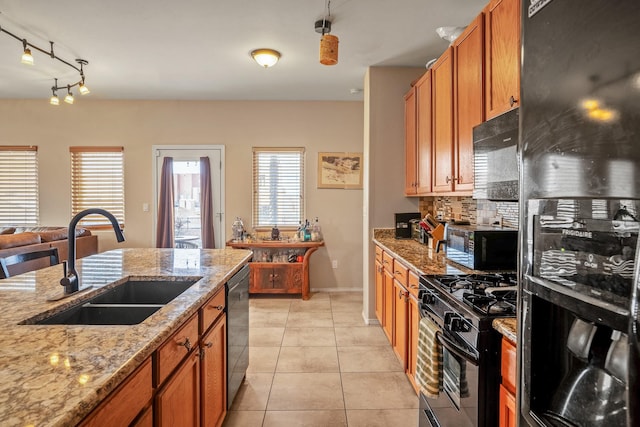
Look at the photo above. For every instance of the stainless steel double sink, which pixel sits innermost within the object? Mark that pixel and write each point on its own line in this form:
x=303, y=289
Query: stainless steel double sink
x=128, y=303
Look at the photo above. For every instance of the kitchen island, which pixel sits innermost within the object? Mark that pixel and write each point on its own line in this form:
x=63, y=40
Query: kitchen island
x=55, y=375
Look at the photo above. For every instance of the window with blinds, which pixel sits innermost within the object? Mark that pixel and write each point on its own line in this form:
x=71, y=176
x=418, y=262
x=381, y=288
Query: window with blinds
x=19, y=185
x=97, y=181
x=278, y=187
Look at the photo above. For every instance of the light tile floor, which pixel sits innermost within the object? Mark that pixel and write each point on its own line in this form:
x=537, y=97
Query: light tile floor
x=316, y=364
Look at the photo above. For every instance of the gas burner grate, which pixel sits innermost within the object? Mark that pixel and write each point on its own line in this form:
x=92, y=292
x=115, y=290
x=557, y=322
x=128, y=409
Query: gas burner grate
x=504, y=304
x=476, y=282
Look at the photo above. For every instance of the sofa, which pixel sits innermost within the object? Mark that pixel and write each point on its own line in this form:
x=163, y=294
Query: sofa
x=16, y=240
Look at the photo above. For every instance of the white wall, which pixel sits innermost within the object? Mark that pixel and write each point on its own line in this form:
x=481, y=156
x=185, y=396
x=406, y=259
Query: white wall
x=384, y=144
x=238, y=125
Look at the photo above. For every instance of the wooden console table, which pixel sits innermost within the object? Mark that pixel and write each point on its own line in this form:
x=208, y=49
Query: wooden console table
x=271, y=270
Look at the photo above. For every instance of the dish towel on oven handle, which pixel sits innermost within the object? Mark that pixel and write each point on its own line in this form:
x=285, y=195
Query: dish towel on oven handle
x=429, y=359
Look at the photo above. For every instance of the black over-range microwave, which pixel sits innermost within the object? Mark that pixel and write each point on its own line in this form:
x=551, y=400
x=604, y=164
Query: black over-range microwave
x=495, y=158
x=483, y=247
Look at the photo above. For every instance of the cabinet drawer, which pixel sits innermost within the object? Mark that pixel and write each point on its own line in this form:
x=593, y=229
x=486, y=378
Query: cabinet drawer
x=401, y=273
x=379, y=252
x=212, y=310
x=387, y=262
x=414, y=284
x=124, y=404
x=508, y=365
x=176, y=348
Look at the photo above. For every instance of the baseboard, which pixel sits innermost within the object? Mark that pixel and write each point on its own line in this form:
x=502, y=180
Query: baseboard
x=336, y=289
x=370, y=322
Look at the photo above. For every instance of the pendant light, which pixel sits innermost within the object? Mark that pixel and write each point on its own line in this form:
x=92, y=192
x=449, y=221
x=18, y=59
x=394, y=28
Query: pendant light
x=27, y=58
x=328, y=42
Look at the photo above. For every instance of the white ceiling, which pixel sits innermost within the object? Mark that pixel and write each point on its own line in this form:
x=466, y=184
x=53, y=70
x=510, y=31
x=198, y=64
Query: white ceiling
x=200, y=49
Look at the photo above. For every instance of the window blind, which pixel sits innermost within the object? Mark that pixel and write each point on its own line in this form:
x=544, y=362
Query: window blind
x=97, y=181
x=19, y=185
x=278, y=187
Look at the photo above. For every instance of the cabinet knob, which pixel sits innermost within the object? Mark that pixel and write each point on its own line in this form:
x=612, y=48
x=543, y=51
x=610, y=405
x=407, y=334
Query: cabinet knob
x=219, y=307
x=186, y=344
x=512, y=101
x=208, y=344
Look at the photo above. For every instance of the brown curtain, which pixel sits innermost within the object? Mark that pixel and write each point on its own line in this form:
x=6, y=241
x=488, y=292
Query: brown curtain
x=206, y=204
x=164, y=230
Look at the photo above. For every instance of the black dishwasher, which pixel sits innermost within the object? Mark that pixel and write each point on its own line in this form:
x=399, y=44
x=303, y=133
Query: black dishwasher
x=237, y=331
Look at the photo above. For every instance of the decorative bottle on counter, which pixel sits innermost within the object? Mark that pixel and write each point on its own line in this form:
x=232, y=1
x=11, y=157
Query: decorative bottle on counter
x=307, y=231
x=237, y=229
x=316, y=231
x=275, y=233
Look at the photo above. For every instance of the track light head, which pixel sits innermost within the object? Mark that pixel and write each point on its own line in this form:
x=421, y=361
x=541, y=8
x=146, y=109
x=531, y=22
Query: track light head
x=84, y=90
x=27, y=58
x=69, y=98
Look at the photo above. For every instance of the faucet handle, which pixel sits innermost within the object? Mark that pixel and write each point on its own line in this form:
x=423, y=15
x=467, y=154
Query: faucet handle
x=64, y=268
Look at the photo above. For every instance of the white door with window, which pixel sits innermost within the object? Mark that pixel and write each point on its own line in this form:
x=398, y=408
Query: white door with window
x=186, y=184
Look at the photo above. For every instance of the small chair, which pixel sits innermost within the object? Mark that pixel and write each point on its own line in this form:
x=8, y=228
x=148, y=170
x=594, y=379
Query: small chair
x=52, y=253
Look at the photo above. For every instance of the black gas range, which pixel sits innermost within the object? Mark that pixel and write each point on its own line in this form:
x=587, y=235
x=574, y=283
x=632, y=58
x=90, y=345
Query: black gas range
x=464, y=306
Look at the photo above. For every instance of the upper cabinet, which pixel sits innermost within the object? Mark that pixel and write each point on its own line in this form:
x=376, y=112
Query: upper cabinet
x=442, y=113
x=475, y=79
x=468, y=100
x=418, y=137
x=502, y=56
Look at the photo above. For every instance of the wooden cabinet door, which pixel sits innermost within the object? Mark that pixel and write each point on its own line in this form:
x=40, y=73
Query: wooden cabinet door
x=502, y=56
x=468, y=100
x=400, y=322
x=126, y=402
x=411, y=163
x=262, y=274
x=423, y=133
x=412, y=341
x=442, y=111
x=387, y=320
x=213, y=371
x=379, y=291
x=507, y=407
x=178, y=403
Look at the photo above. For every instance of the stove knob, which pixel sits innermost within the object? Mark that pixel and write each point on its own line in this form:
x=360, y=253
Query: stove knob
x=456, y=322
x=428, y=298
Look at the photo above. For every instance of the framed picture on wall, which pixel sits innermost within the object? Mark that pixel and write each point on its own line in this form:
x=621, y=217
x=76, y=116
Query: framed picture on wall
x=340, y=170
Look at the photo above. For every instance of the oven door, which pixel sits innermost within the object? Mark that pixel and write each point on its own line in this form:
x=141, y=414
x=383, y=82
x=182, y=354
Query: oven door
x=457, y=404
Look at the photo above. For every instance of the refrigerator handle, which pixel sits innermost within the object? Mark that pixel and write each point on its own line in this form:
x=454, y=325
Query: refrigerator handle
x=633, y=371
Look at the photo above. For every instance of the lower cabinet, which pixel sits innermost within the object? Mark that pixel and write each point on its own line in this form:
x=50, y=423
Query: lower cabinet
x=507, y=400
x=379, y=291
x=126, y=402
x=178, y=401
x=508, y=414
x=213, y=369
x=397, y=308
x=277, y=277
x=400, y=309
x=412, y=341
x=184, y=383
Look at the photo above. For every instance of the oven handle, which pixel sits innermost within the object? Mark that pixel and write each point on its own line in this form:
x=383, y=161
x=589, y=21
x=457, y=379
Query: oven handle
x=454, y=348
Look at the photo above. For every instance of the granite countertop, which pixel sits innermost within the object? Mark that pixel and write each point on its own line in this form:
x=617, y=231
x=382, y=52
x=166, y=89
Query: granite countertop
x=508, y=327
x=54, y=375
x=417, y=257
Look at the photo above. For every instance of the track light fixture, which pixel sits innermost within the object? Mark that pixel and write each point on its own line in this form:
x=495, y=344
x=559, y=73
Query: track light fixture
x=27, y=58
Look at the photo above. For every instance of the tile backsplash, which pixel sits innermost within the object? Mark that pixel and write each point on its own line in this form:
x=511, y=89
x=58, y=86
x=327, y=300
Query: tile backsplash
x=481, y=212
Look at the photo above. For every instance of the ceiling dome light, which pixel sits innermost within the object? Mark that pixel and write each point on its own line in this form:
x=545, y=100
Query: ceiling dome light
x=266, y=57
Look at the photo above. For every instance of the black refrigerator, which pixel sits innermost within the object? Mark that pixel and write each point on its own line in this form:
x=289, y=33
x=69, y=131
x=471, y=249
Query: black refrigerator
x=579, y=208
